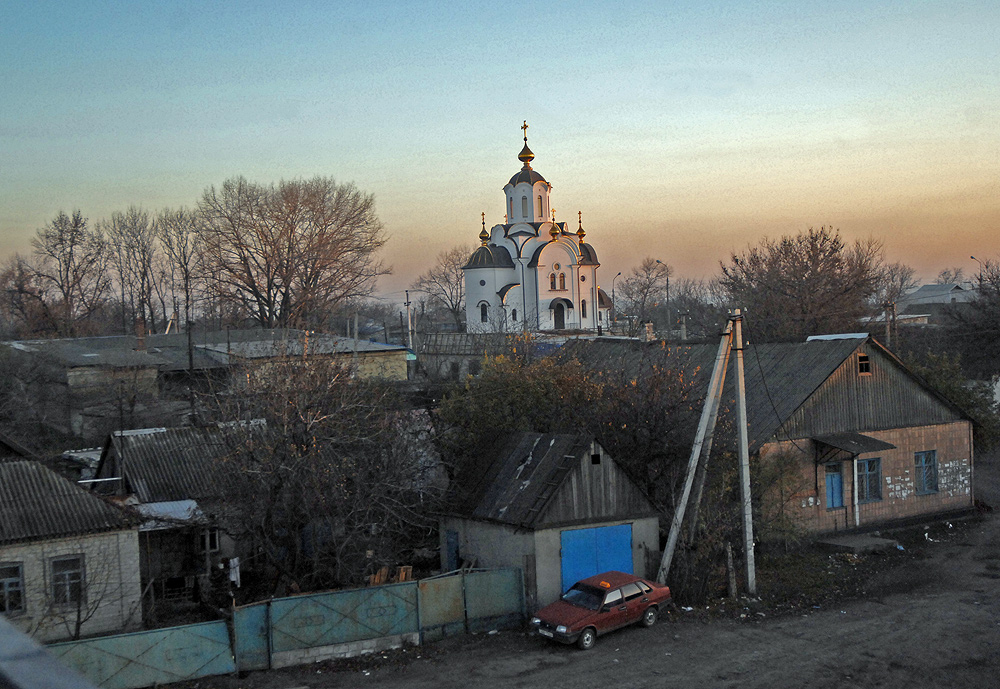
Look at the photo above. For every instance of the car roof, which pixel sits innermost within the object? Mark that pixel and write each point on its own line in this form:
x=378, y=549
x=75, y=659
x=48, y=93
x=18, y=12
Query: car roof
x=609, y=580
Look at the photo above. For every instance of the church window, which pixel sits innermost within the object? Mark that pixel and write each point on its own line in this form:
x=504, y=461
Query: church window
x=562, y=280
x=524, y=207
x=510, y=208
x=583, y=308
x=541, y=211
x=482, y=283
x=484, y=312
x=513, y=314
x=552, y=281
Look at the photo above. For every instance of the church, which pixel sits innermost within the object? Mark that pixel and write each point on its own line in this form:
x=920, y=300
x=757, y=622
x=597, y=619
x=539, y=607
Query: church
x=531, y=272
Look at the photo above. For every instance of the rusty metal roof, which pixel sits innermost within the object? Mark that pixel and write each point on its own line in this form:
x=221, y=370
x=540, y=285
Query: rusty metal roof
x=36, y=503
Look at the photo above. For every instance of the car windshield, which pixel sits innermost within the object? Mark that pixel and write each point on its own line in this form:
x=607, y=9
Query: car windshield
x=584, y=597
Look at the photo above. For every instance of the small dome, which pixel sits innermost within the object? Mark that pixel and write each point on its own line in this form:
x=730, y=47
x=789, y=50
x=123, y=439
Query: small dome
x=588, y=257
x=526, y=174
x=490, y=257
x=526, y=156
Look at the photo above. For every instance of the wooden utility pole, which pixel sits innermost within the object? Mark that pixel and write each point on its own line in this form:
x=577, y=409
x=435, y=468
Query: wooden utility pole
x=744, y=459
x=711, y=406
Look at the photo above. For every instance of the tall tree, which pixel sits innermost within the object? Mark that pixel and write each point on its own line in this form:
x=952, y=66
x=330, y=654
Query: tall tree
x=444, y=283
x=807, y=284
x=133, y=253
x=646, y=290
x=288, y=254
x=177, y=231
x=69, y=272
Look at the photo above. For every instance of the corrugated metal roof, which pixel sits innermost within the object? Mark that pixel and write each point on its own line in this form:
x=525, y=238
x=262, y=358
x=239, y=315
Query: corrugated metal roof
x=166, y=464
x=167, y=515
x=780, y=377
x=36, y=503
x=525, y=476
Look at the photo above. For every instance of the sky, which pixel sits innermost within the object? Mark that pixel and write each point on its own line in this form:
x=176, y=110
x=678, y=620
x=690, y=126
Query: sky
x=683, y=131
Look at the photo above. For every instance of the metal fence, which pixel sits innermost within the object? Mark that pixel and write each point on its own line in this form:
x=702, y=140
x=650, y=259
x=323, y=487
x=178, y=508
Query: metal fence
x=287, y=631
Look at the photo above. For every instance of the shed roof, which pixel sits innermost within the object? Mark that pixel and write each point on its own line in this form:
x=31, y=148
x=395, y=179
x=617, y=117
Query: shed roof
x=36, y=503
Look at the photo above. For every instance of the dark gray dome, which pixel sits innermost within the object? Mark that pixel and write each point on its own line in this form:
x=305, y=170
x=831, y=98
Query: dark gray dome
x=526, y=174
x=492, y=256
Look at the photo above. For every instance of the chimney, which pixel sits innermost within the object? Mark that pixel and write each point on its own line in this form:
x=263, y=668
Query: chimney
x=140, y=334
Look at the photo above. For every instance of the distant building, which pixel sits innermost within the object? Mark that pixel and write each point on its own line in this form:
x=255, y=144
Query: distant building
x=531, y=272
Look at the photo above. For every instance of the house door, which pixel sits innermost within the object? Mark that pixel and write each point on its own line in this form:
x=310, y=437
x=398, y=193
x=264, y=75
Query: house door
x=560, y=317
x=834, y=485
x=586, y=552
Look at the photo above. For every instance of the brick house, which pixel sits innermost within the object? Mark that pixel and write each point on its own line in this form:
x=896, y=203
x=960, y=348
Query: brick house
x=69, y=561
x=872, y=443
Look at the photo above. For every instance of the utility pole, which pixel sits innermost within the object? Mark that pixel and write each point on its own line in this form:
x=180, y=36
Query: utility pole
x=744, y=459
x=409, y=324
x=711, y=407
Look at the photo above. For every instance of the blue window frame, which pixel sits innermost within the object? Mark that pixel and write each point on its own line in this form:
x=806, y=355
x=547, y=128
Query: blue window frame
x=834, y=486
x=869, y=479
x=925, y=464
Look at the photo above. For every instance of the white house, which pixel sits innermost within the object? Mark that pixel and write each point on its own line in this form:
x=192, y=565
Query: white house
x=531, y=272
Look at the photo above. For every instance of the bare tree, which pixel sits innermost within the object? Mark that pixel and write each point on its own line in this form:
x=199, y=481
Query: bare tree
x=807, y=284
x=288, y=254
x=177, y=231
x=645, y=289
x=132, y=241
x=950, y=276
x=68, y=277
x=444, y=283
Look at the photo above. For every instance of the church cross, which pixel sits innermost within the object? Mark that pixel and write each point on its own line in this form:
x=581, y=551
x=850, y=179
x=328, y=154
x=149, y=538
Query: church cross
x=524, y=128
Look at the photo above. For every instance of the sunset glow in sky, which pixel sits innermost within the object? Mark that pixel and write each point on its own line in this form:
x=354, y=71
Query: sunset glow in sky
x=682, y=131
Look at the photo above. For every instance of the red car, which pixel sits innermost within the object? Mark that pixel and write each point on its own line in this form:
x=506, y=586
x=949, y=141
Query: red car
x=600, y=604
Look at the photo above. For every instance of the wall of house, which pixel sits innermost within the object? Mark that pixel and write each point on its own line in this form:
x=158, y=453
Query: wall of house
x=805, y=504
x=111, y=575
x=390, y=365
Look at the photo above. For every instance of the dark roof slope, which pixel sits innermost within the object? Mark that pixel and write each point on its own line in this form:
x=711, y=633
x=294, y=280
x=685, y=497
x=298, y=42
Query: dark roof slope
x=518, y=485
x=36, y=503
x=491, y=256
x=164, y=464
x=526, y=175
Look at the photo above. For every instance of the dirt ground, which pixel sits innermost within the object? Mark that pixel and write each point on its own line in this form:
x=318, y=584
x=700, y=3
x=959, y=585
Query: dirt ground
x=927, y=616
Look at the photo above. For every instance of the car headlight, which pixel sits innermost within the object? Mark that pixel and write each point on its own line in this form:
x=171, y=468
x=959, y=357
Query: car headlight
x=561, y=629
x=535, y=620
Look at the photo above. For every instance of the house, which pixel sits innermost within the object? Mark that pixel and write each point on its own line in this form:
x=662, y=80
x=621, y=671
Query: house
x=531, y=272
x=171, y=478
x=870, y=442
x=89, y=386
x=69, y=561
x=556, y=506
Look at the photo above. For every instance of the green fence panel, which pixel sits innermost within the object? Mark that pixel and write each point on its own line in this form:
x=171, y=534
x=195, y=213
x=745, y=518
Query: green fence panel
x=494, y=599
x=442, y=607
x=143, y=659
x=343, y=616
x=251, y=637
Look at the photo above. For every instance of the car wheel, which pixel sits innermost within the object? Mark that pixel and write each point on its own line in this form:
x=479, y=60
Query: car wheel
x=587, y=638
x=648, y=617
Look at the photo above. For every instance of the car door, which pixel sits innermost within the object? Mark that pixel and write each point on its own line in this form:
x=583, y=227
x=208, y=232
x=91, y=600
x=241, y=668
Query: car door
x=635, y=601
x=614, y=612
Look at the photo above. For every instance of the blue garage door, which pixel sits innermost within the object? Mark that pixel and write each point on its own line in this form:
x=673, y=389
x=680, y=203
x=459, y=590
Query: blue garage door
x=586, y=552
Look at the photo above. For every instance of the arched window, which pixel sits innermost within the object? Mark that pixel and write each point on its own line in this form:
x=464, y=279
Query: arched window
x=513, y=314
x=510, y=210
x=541, y=211
x=583, y=308
x=484, y=312
x=552, y=281
x=562, y=280
x=524, y=207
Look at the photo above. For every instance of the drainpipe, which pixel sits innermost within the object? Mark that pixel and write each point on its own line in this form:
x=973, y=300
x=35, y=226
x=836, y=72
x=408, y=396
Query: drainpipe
x=854, y=486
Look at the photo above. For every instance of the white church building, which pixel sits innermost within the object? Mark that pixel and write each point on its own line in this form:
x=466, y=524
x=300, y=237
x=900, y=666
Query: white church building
x=531, y=272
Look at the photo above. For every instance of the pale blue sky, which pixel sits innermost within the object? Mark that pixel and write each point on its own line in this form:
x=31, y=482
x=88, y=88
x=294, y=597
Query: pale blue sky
x=682, y=131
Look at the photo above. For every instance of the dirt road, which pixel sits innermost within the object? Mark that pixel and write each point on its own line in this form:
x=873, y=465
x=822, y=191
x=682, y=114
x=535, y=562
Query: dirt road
x=934, y=622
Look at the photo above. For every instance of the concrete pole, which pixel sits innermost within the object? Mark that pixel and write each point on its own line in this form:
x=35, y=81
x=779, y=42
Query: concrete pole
x=744, y=459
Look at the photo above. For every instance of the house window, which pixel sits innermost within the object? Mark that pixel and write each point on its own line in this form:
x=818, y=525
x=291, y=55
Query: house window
x=864, y=365
x=869, y=480
x=209, y=540
x=583, y=308
x=562, y=280
x=595, y=458
x=11, y=588
x=552, y=281
x=524, y=206
x=926, y=471
x=484, y=312
x=67, y=580
x=834, y=486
